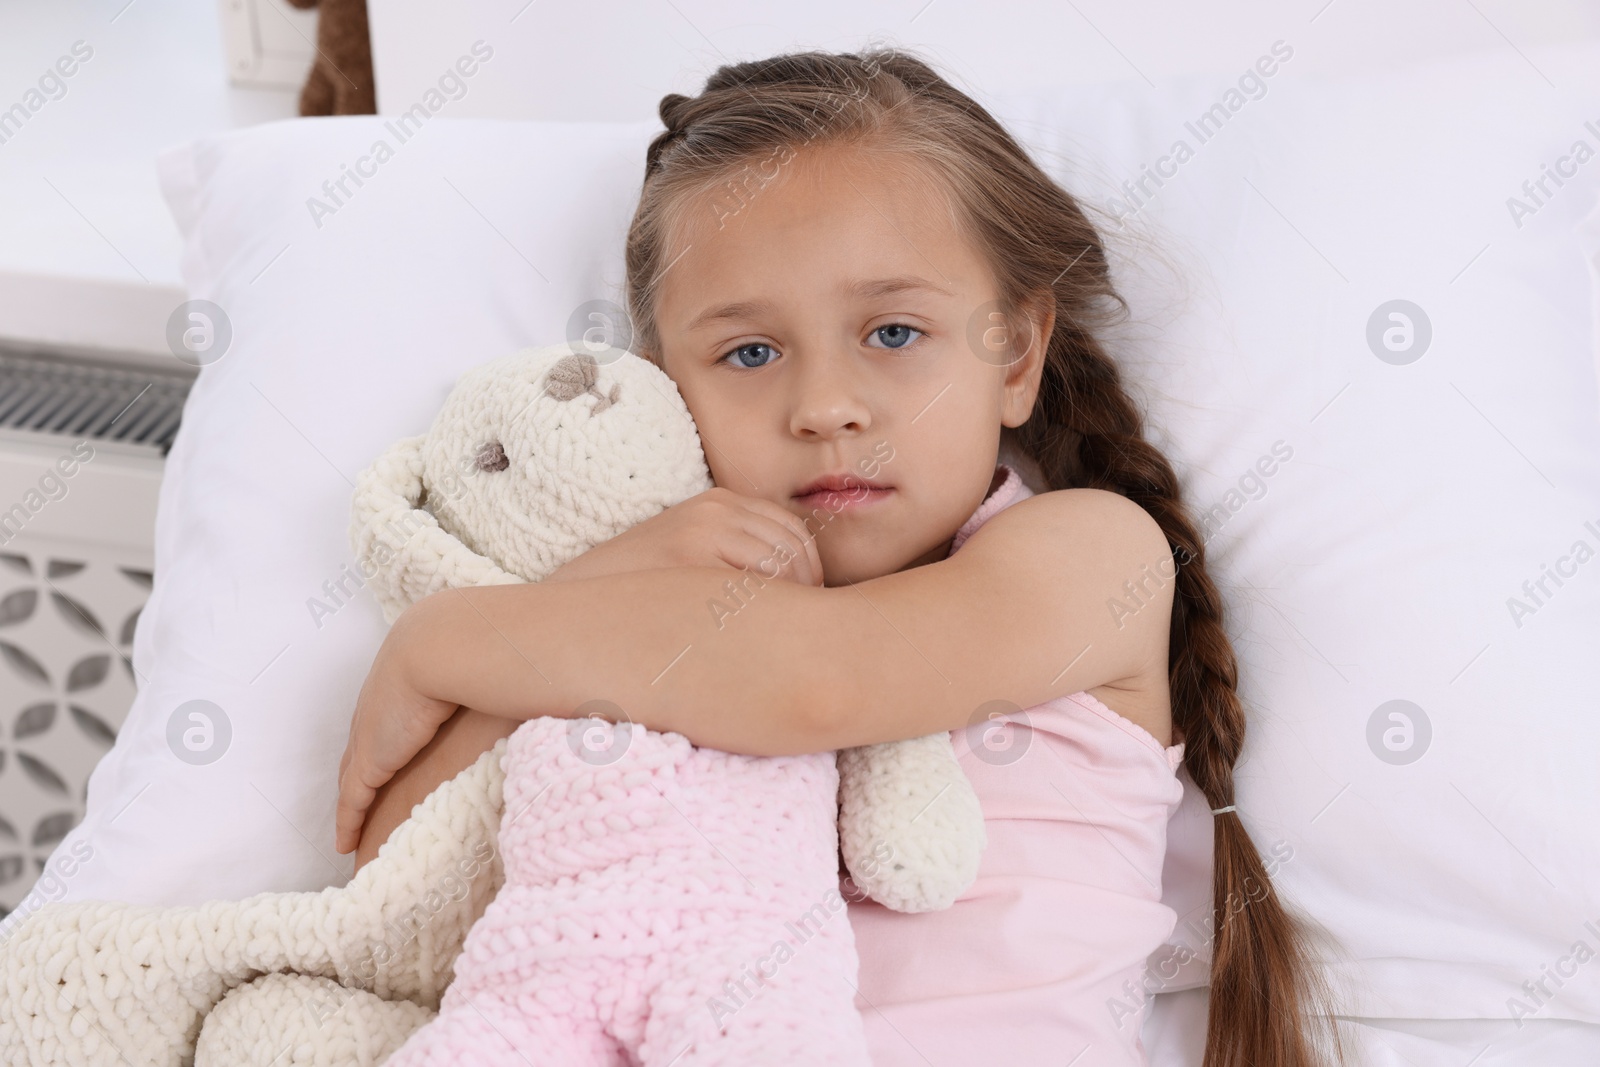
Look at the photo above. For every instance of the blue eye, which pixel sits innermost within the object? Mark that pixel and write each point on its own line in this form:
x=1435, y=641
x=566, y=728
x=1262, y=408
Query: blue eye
x=738, y=353
x=895, y=335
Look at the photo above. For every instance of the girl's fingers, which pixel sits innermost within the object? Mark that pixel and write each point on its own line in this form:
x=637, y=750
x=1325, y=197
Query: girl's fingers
x=742, y=549
x=354, y=800
x=771, y=549
x=356, y=795
x=356, y=791
x=775, y=524
x=340, y=818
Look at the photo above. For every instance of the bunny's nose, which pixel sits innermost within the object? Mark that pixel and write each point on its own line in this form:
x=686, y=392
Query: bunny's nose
x=492, y=457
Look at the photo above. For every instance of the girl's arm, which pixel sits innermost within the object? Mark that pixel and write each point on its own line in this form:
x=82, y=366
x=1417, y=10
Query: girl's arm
x=1060, y=592
x=1026, y=611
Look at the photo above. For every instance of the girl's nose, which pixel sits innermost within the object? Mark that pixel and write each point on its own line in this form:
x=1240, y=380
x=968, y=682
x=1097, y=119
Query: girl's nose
x=828, y=396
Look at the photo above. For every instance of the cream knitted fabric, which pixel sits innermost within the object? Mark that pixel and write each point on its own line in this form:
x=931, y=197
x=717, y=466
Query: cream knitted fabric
x=92, y=984
x=292, y=1020
x=910, y=825
x=413, y=554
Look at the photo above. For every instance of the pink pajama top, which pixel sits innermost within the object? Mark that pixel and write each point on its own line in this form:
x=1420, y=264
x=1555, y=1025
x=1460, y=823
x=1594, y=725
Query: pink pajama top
x=1040, y=961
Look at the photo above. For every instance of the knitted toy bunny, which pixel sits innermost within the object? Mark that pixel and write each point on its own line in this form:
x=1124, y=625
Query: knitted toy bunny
x=648, y=882
x=910, y=826
x=371, y=957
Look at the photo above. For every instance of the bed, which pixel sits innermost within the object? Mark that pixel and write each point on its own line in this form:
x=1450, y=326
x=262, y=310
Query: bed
x=1370, y=353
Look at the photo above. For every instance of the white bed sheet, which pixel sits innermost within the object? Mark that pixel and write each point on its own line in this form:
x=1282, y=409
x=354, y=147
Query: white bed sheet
x=1174, y=1036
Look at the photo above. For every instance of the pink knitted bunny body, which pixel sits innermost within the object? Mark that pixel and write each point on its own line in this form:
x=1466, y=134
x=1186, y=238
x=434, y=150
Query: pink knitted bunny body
x=663, y=904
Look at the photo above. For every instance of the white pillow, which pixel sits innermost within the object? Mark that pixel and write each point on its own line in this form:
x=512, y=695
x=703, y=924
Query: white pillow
x=1374, y=567
x=1376, y=511
x=469, y=240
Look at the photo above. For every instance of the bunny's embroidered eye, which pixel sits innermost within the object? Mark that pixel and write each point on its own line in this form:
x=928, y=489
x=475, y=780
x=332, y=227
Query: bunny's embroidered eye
x=492, y=457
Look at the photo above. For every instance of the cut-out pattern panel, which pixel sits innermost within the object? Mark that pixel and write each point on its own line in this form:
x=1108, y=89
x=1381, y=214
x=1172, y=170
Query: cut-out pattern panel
x=67, y=616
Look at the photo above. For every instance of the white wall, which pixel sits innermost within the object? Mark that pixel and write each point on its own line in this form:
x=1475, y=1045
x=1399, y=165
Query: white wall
x=614, y=59
x=88, y=251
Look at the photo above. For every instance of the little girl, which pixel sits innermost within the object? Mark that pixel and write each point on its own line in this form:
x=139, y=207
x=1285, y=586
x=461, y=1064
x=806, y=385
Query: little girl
x=934, y=510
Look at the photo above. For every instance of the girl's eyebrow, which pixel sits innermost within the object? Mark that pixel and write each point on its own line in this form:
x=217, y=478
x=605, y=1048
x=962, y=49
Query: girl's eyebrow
x=890, y=286
x=861, y=290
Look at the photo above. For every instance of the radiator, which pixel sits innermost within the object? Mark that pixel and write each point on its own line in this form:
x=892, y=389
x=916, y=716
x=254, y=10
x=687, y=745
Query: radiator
x=82, y=442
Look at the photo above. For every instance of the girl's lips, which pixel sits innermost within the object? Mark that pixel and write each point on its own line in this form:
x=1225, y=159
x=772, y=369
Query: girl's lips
x=836, y=500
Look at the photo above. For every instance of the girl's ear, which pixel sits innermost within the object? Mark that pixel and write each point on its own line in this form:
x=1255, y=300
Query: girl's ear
x=1035, y=322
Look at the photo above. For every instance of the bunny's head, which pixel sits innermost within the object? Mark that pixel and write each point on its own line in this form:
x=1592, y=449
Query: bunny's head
x=534, y=459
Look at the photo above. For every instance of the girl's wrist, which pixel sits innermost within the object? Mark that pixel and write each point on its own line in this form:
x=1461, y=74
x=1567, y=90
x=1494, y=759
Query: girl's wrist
x=416, y=645
x=458, y=647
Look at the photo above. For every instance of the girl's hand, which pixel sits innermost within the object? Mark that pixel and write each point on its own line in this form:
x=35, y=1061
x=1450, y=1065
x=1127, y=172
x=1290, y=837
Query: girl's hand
x=393, y=720
x=715, y=528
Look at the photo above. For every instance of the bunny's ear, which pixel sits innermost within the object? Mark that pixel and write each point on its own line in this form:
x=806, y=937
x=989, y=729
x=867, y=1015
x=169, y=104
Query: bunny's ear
x=400, y=548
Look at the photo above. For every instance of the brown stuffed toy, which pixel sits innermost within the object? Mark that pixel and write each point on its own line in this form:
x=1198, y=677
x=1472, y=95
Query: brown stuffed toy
x=340, y=82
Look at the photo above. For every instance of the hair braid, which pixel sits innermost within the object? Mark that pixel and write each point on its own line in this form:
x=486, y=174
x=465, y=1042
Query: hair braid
x=1260, y=940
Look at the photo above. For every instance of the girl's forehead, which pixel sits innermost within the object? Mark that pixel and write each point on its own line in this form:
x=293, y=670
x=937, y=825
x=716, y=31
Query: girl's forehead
x=825, y=222
x=817, y=184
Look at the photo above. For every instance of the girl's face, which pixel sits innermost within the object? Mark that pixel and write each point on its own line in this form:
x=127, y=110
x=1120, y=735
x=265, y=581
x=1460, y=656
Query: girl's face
x=829, y=319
